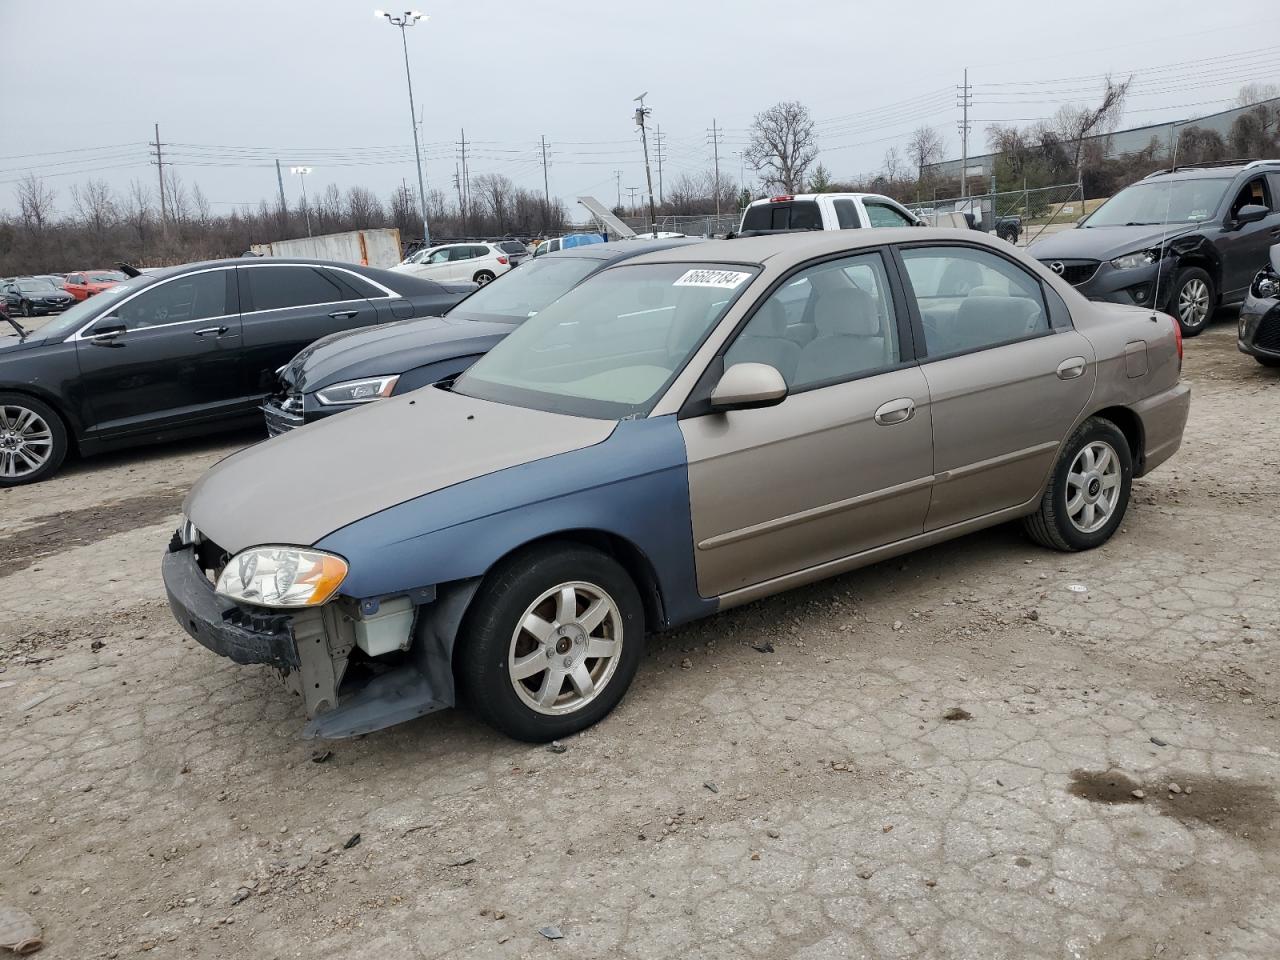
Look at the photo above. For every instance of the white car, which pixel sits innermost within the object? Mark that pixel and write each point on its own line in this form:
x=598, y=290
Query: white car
x=826, y=211
x=477, y=262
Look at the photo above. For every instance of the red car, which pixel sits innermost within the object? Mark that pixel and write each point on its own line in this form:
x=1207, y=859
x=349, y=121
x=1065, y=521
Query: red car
x=86, y=284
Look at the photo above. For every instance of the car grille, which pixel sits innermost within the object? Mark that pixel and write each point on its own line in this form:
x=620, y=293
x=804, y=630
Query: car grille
x=283, y=417
x=1268, y=335
x=1075, y=272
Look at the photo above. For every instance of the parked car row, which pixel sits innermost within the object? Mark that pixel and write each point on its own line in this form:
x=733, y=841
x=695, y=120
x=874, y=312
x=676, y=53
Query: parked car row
x=614, y=464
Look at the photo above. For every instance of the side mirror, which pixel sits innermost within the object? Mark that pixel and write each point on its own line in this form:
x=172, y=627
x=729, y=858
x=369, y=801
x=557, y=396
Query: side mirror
x=745, y=386
x=1251, y=213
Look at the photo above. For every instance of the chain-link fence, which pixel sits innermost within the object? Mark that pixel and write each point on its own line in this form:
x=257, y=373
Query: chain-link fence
x=1019, y=216
x=702, y=225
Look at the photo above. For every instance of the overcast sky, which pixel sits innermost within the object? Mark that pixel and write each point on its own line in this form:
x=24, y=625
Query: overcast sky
x=235, y=84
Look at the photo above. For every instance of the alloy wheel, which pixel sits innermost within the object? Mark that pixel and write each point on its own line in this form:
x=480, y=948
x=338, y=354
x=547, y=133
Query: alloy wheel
x=26, y=442
x=1093, y=486
x=566, y=648
x=1193, y=302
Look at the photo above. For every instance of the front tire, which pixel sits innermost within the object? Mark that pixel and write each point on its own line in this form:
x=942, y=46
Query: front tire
x=483, y=276
x=33, y=440
x=25, y=310
x=1088, y=493
x=551, y=642
x=1193, y=300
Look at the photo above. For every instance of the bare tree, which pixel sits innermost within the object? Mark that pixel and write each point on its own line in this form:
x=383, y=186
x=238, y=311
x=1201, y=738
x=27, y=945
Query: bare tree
x=1252, y=93
x=95, y=205
x=201, y=204
x=924, y=148
x=35, y=204
x=783, y=145
x=494, y=192
x=137, y=213
x=175, y=196
x=892, y=164
x=363, y=208
x=1074, y=123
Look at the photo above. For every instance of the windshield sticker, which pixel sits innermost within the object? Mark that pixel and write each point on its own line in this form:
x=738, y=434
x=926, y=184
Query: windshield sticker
x=721, y=279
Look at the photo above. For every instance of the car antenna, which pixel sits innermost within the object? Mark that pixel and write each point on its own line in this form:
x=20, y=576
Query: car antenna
x=22, y=333
x=1164, y=232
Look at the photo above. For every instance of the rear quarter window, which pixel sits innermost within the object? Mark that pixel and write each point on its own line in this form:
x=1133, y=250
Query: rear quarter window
x=787, y=215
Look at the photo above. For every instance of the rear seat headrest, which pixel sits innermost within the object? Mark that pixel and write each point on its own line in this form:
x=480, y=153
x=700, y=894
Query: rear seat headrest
x=850, y=312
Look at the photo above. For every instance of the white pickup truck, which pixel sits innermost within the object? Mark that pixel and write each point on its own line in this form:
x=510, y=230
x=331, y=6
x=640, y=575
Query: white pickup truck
x=826, y=211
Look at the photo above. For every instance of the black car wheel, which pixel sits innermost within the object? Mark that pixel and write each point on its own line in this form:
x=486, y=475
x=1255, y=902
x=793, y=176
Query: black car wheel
x=551, y=642
x=483, y=277
x=26, y=310
x=1009, y=235
x=1193, y=300
x=33, y=440
x=1088, y=492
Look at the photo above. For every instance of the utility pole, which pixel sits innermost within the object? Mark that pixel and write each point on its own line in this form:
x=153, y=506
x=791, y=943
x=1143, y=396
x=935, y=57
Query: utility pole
x=159, y=162
x=715, y=146
x=409, y=18
x=642, y=114
x=546, y=187
x=617, y=175
x=457, y=185
x=966, y=98
x=466, y=183
x=301, y=174
x=280, y=181
x=632, y=206
x=658, y=147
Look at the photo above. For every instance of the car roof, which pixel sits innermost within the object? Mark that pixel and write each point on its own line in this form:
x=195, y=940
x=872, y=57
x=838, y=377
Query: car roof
x=814, y=196
x=621, y=249
x=802, y=245
x=252, y=261
x=1220, y=171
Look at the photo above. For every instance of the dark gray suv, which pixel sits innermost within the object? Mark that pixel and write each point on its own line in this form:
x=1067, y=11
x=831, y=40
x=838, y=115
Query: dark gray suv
x=1186, y=240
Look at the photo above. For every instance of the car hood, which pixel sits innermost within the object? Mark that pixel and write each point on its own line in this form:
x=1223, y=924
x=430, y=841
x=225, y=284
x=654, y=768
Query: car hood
x=303, y=485
x=1104, y=243
x=388, y=348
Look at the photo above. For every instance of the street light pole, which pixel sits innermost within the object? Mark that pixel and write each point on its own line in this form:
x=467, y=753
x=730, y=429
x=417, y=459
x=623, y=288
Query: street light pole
x=301, y=174
x=408, y=19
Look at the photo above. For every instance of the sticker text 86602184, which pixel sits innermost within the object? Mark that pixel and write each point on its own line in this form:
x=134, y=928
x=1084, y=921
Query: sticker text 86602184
x=722, y=279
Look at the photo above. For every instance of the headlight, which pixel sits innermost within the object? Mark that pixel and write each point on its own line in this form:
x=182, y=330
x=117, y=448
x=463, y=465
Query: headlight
x=1131, y=261
x=357, y=391
x=282, y=577
x=1266, y=285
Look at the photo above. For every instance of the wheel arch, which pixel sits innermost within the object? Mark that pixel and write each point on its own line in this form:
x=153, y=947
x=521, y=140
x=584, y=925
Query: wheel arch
x=56, y=405
x=1198, y=252
x=1130, y=424
x=634, y=560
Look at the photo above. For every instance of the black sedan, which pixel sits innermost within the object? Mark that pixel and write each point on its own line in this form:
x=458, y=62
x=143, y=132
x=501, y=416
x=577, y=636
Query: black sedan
x=184, y=351
x=1260, y=314
x=349, y=369
x=35, y=297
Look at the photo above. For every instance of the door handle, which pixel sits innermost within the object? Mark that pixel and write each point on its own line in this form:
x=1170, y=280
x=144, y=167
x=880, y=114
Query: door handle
x=1071, y=368
x=895, y=411
x=343, y=314
x=219, y=331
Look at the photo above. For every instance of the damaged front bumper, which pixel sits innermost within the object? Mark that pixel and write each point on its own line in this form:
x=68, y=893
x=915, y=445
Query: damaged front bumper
x=345, y=692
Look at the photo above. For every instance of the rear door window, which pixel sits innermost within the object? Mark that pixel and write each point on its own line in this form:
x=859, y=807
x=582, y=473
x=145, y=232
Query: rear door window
x=276, y=288
x=783, y=215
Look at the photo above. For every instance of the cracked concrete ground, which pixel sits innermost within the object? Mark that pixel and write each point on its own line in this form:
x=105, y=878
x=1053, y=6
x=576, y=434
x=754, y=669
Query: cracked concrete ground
x=809, y=802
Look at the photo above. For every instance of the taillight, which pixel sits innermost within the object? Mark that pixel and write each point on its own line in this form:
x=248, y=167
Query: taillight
x=780, y=199
x=503, y=261
x=1177, y=337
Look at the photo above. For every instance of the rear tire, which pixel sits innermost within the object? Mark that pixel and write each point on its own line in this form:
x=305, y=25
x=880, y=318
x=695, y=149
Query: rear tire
x=483, y=277
x=1193, y=300
x=551, y=642
x=33, y=440
x=1088, y=492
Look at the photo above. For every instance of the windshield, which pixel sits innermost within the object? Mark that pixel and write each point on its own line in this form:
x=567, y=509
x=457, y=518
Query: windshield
x=612, y=345
x=518, y=295
x=1157, y=202
x=36, y=286
x=107, y=276
x=80, y=313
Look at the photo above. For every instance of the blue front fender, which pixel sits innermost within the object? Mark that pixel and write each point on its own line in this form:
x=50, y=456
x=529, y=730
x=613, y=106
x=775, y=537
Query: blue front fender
x=634, y=485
